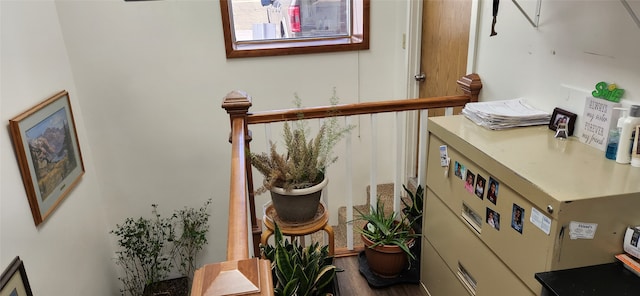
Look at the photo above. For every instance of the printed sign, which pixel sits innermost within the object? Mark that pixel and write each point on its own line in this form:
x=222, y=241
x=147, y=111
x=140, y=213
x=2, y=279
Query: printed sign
x=540, y=220
x=581, y=230
x=599, y=117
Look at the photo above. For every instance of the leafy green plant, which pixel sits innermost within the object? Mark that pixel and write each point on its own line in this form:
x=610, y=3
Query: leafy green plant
x=192, y=225
x=414, y=210
x=297, y=270
x=389, y=229
x=307, y=158
x=149, y=248
x=143, y=243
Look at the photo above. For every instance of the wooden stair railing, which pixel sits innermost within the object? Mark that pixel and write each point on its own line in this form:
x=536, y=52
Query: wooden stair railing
x=469, y=84
x=242, y=274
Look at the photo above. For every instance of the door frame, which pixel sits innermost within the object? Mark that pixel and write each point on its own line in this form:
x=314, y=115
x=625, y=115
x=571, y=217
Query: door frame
x=413, y=39
x=413, y=43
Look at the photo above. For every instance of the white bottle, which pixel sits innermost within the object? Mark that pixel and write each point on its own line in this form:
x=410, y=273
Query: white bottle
x=614, y=135
x=626, y=135
x=635, y=152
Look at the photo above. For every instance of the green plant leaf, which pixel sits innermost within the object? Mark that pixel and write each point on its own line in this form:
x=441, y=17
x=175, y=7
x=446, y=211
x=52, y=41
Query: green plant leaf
x=384, y=229
x=283, y=262
x=325, y=276
x=291, y=288
x=301, y=265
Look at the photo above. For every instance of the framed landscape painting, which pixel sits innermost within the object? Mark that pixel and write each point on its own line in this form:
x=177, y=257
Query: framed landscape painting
x=48, y=153
x=13, y=281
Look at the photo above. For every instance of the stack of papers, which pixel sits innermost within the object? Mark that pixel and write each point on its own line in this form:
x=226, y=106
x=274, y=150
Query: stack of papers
x=497, y=115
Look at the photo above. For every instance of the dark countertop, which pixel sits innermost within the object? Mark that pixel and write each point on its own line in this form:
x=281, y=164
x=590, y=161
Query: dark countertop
x=611, y=279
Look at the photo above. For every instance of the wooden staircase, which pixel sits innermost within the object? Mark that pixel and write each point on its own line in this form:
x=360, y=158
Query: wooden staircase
x=243, y=273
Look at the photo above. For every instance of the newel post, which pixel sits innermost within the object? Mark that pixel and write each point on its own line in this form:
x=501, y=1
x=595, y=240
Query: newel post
x=237, y=104
x=240, y=274
x=471, y=86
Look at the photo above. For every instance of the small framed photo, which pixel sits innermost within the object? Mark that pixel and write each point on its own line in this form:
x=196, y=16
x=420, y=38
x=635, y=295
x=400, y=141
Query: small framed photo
x=493, y=218
x=13, y=281
x=459, y=170
x=48, y=153
x=480, y=184
x=517, y=218
x=468, y=184
x=492, y=193
x=561, y=116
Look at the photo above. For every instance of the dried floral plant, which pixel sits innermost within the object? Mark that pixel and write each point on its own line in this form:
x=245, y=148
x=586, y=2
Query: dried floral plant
x=305, y=162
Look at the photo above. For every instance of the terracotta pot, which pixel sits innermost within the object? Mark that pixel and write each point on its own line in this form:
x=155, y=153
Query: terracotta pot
x=386, y=261
x=298, y=205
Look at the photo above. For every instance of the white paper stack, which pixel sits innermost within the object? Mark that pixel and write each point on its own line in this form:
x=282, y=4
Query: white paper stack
x=497, y=115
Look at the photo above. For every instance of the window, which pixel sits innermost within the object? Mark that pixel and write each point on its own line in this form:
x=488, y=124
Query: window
x=283, y=27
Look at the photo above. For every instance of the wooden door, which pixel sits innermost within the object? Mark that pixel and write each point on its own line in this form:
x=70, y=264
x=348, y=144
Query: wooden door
x=445, y=44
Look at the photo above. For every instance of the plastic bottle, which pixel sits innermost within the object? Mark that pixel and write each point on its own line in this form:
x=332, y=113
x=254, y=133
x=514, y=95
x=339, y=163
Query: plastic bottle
x=635, y=152
x=614, y=135
x=627, y=134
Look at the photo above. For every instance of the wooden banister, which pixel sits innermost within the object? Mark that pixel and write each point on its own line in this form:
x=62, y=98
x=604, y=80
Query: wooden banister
x=237, y=242
x=237, y=104
x=240, y=274
x=469, y=84
x=356, y=109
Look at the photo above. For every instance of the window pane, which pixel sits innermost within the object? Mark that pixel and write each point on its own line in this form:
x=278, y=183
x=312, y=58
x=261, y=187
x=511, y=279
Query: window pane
x=282, y=27
x=290, y=19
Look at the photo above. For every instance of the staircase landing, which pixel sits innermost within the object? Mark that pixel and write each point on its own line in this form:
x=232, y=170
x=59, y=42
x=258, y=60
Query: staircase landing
x=385, y=197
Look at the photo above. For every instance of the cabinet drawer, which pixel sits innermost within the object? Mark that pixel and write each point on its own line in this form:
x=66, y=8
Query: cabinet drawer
x=525, y=252
x=539, y=174
x=436, y=276
x=444, y=182
x=460, y=248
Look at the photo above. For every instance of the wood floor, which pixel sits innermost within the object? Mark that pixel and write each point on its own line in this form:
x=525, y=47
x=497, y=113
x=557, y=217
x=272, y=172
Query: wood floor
x=352, y=283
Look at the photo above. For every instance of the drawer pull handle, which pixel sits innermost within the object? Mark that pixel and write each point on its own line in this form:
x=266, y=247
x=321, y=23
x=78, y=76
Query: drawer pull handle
x=467, y=280
x=550, y=209
x=472, y=217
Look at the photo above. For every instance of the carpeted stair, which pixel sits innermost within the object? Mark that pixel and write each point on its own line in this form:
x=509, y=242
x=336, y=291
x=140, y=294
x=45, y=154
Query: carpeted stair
x=385, y=197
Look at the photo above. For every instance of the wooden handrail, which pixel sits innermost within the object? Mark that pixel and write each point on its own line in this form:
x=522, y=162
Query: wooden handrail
x=240, y=274
x=237, y=237
x=470, y=85
x=237, y=105
x=357, y=109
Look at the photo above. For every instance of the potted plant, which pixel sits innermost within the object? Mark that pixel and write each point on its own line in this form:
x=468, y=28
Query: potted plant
x=297, y=177
x=192, y=226
x=152, y=249
x=388, y=240
x=297, y=270
x=413, y=212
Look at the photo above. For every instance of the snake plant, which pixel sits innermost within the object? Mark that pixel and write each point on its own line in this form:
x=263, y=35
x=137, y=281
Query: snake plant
x=414, y=210
x=297, y=270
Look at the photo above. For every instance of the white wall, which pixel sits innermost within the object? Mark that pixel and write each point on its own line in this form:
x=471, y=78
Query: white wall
x=147, y=78
x=146, y=81
x=577, y=44
x=69, y=253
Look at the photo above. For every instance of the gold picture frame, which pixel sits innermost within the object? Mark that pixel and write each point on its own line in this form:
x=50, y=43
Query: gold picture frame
x=48, y=153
